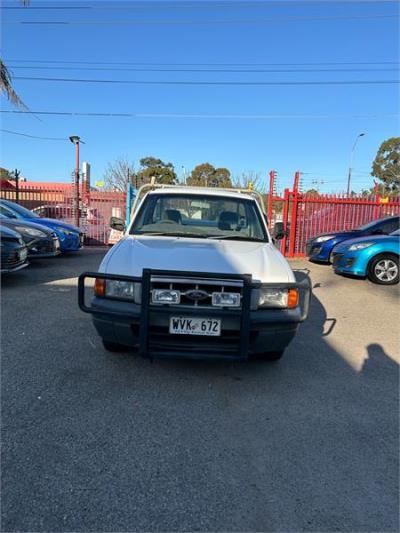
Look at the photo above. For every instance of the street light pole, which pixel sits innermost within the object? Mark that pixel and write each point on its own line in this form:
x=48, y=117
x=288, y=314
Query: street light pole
x=76, y=140
x=351, y=162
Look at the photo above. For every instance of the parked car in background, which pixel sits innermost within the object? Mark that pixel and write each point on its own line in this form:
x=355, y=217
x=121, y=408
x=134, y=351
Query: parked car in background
x=41, y=241
x=70, y=237
x=375, y=257
x=13, y=251
x=320, y=248
x=65, y=211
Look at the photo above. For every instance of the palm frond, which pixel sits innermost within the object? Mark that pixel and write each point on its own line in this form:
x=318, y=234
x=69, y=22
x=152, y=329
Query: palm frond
x=7, y=88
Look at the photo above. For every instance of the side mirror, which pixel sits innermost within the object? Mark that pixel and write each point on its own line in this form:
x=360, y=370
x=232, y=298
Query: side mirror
x=279, y=231
x=117, y=224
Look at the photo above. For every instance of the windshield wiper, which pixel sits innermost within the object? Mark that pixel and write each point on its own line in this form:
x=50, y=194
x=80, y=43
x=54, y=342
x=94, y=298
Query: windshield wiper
x=175, y=234
x=236, y=237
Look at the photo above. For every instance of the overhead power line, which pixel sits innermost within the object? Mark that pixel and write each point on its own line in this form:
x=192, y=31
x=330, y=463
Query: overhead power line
x=217, y=70
x=34, y=136
x=200, y=115
x=184, y=22
x=209, y=82
x=312, y=64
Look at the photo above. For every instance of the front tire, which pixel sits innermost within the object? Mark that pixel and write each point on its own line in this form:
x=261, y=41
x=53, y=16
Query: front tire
x=384, y=269
x=113, y=346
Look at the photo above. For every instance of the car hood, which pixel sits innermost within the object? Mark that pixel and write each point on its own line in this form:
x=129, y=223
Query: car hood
x=371, y=238
x=7, y=232
x=53, y=222
x=262, y=260
x=338, y=234
x=14, y=223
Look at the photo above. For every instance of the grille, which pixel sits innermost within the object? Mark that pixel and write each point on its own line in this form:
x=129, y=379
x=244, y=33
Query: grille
x=187, y=286
x=11, y=260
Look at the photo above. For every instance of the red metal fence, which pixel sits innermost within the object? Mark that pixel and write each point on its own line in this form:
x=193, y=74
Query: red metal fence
x=304, y=216
x=58, y=201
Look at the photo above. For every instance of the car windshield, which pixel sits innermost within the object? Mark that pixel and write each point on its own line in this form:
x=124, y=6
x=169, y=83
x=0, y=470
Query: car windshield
x=10, y=209
x=200, y=216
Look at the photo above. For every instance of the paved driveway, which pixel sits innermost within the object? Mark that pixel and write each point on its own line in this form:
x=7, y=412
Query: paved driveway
x=93, y=441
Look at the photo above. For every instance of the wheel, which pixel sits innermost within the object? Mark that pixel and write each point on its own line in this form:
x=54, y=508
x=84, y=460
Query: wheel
x=113, y=346
x=384, y=269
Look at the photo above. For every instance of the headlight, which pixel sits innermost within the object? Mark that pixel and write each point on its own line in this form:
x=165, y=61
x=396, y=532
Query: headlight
x=127, y=290
x=324, y=238
x=225, y=299
x=30, y=231
x=278, y=298
x=65, y=231
x=360, y=246
x=165, y=296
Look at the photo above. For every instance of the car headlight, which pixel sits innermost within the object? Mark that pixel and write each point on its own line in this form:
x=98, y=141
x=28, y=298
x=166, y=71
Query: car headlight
x=324, y=238
x=278, y=298
x=360, y=246
x=110, y=288
x=30, y=231
x=64, y=231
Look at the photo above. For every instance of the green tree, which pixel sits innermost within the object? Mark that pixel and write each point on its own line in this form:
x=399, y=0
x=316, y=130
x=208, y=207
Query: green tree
x=152, y=167
x=386, y=165
x=206, y=175
x=5, y=174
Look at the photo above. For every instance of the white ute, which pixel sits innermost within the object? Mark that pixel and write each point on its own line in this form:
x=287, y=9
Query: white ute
x=197, y=275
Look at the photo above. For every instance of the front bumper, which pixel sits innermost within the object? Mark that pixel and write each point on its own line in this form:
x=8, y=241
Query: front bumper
x=71, y=242
x=318, y=251
x=43, y=248
x=347, y=264
x=243, y=332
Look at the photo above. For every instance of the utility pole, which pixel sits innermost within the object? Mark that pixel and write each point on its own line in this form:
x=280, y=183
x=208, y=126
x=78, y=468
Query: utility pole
x=17, y=174
x=76, y=140
x=351, y=163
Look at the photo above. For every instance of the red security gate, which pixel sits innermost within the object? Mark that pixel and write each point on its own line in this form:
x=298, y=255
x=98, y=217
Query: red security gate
x=57, y=200
x=305, y=216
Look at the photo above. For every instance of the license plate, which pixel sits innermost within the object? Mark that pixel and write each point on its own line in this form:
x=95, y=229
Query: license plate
x=210, y=327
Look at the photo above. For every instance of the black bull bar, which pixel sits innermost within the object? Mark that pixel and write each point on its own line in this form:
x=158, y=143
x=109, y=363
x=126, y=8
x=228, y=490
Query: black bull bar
x=302, y=284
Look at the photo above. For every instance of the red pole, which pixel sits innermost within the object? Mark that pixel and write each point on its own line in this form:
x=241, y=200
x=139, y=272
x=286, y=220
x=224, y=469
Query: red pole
x=285, y=218
x=272, y=175
x=77, y=217
x=293, y=218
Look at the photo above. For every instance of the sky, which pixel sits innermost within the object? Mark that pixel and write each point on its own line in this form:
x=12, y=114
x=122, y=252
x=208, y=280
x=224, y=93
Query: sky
x=279, y=114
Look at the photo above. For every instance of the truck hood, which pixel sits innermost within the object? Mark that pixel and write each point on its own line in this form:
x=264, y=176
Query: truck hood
x=262, y=260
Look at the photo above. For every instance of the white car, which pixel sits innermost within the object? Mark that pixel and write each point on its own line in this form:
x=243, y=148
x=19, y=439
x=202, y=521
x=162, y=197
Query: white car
x=197, y=275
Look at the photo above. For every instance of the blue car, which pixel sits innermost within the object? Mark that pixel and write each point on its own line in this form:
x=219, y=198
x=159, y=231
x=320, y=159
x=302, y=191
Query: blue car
x=70, y=237
x=320, y=248
x=375, y=257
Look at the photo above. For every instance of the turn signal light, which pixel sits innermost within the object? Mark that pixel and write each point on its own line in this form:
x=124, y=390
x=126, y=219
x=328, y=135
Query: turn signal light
x=293, y=298
x=100, y=287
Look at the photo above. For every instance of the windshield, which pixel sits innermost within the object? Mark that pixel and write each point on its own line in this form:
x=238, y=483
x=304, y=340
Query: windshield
x=12, y=210
x=199, y=216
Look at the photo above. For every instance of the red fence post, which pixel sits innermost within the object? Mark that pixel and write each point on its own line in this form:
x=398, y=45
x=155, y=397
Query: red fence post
x=293, y=218
x=285, y=218
x=272, y=175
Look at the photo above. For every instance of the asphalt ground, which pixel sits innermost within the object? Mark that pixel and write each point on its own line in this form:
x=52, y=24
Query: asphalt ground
x=93, y=441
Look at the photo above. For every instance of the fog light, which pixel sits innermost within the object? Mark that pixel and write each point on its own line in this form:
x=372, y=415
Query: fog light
x=225, y=299
x=165, y=296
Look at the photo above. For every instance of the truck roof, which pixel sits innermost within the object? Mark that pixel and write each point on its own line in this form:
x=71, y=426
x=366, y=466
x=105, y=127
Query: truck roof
x=211, y=191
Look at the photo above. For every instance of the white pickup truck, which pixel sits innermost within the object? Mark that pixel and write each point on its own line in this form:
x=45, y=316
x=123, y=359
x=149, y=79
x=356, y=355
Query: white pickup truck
x=196, y=275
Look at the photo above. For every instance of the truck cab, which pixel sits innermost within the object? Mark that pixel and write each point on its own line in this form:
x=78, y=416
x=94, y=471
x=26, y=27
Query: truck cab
x=196, y=275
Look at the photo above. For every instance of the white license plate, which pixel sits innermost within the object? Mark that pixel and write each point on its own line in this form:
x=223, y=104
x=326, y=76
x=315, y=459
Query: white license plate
x=210, y=327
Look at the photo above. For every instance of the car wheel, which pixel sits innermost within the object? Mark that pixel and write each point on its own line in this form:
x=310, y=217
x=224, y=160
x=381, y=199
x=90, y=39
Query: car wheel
x=113, y=346
x=384, y=269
